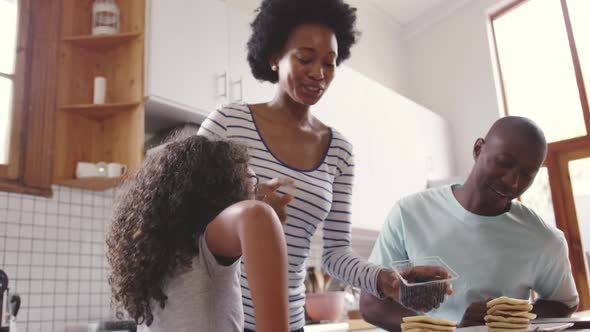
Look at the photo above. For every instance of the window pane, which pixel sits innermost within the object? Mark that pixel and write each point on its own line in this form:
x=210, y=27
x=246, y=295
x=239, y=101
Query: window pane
x=5, y=118
x=580, y=177
x=537, y=68
x=579, y=11
x=538, y=197
x=8, y=27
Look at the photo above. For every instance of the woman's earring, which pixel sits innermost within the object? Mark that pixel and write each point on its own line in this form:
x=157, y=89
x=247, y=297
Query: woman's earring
x=274, y=67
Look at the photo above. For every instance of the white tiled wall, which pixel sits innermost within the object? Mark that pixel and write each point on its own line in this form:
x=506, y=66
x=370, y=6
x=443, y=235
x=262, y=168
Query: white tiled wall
x=53, y=253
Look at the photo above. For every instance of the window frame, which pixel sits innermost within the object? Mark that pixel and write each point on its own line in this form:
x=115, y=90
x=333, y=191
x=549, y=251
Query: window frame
x=558, y=154
x=30, y=167
x=10, y=171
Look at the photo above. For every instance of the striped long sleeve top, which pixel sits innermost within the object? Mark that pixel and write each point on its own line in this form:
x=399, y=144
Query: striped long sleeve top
x=323, y=197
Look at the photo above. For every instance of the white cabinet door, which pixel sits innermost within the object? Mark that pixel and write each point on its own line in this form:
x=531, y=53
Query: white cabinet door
x=243, y=86
x=187, y=53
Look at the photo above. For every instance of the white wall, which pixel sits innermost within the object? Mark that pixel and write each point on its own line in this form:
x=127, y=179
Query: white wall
x=398, y=144
x=380, y=54
x=451, y=73
x=53, y=253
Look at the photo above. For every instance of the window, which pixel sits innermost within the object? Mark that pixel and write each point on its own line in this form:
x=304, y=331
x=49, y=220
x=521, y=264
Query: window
x=537, y=67
x=543, y=56
x=8, y=35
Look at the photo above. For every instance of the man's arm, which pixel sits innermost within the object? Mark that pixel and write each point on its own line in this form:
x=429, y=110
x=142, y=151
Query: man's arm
x=386, y=314
x=546, y=309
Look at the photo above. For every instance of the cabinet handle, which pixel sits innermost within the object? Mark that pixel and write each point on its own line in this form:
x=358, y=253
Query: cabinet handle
x=241, y=83
x=224, y=77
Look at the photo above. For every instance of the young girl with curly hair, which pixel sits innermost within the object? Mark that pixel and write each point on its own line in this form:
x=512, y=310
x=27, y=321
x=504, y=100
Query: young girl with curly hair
x=179, y=229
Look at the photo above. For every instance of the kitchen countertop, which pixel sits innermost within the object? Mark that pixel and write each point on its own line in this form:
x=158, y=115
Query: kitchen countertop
x=344, y=326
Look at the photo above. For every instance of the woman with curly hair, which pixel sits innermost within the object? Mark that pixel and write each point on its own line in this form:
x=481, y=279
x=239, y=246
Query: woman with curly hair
x=179, y=228
x=298, y=44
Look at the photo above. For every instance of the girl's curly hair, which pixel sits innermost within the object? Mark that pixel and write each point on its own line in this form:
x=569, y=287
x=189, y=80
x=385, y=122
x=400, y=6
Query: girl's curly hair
x=277, y=18
x=162, y=211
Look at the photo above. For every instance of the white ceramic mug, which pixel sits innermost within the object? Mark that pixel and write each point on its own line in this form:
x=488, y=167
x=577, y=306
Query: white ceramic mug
x=102, y=168
x=86, y=170
x=115, y=170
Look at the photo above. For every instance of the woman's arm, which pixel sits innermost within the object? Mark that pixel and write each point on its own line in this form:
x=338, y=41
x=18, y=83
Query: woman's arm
x=338, y=258
x=253, y=230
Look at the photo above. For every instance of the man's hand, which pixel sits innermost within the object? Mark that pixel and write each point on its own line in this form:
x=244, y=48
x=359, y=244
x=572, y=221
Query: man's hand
x=389, y=285
x=267, y=193
x=474, y=314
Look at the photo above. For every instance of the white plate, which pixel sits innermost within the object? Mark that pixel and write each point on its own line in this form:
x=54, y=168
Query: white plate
x=533, y=327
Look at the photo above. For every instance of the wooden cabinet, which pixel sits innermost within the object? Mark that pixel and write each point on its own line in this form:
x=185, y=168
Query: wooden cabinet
x=196, y=61
x=110, y=132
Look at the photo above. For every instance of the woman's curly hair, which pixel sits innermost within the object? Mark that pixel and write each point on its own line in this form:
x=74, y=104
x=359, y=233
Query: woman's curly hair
x=162, y=211
x=277, y=18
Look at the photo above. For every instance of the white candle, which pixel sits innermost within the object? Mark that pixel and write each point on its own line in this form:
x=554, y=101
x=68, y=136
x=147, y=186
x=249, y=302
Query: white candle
x=100, y=90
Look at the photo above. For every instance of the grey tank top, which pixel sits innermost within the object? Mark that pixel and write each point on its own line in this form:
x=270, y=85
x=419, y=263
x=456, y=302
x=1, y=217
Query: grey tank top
x=206, y=298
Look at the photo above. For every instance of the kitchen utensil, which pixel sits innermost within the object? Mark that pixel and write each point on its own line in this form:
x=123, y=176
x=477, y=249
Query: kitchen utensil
x=311, y=276
x=14, y=307
x=327, y=281
x=319, y=277
x=4, y=310
x=307, y=283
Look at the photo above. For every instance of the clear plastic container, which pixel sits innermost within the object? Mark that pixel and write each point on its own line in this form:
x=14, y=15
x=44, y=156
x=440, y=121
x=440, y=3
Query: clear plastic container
x=419, y=294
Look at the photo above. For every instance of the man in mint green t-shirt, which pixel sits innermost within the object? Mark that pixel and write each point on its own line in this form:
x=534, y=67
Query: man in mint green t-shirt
x=497, y=245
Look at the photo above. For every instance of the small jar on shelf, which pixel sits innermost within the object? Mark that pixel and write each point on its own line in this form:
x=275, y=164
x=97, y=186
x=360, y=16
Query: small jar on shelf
x=106, y=17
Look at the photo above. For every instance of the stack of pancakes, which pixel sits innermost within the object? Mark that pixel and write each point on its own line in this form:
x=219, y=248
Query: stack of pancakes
x=508, y=315
x=427, y=324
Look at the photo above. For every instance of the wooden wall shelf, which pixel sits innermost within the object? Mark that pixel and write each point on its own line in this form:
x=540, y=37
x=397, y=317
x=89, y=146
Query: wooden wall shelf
x=111, y=132
x=96, y=183
x=100, y=111
x=102, y=43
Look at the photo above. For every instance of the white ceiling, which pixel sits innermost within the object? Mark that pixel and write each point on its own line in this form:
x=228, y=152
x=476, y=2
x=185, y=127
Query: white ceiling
x=402, y=12
x=405, y=12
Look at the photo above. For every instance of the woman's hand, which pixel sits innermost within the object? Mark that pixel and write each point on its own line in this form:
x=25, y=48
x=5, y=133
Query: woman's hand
x=267, y=193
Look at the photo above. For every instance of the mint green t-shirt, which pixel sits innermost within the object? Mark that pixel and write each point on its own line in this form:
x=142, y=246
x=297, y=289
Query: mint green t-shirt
x=510, y=254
